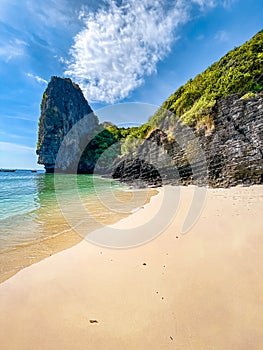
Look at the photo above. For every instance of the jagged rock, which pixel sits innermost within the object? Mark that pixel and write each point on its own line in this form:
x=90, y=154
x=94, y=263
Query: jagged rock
x=63, y=106
x=234, y=150
x=228, y=155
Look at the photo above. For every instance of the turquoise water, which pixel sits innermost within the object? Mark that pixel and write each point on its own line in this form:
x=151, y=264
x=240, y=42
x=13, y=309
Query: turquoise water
x=29, y=209
x=37, y=207
x=19, y=193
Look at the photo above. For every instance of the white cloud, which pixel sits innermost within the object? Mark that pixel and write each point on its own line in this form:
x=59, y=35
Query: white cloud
x=20, y=117
x=122, y=44
x=8, y=146
x=228, y=3
x=48, y=25
x=213, y=3
x=37, y=78
x=12, y=49
x=222, y=36
x=11, y=136
x=50, y=12
x=205, y=3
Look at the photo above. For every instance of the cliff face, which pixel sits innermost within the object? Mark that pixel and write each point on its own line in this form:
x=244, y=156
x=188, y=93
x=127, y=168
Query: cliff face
x=63, y=106
x=226, y=150
x=234, y=150
x=227, y=153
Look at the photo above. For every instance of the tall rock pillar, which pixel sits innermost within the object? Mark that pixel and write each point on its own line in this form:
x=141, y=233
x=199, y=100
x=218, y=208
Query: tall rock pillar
x=63, y=107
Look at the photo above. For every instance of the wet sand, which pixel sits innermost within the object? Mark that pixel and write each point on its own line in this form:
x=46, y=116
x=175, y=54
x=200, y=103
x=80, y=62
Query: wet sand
x=202, y=290
x=20, y=256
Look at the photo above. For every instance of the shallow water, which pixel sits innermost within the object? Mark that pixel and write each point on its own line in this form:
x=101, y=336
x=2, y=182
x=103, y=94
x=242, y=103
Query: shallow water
x=35, y=208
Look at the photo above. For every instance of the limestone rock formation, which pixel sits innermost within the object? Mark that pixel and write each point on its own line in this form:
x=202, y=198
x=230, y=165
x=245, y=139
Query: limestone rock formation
x=65, y=121
x=234, y=149
x=227, y=154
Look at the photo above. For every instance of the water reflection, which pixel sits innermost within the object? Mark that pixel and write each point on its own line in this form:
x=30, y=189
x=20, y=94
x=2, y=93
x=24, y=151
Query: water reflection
x=39, y=205
x=29, y=207
x=34, y=224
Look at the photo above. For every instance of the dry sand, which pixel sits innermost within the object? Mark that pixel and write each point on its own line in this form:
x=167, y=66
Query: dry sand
x=202, y=290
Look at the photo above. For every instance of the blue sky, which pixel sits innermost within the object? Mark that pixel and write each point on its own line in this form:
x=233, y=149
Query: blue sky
x=117, y=51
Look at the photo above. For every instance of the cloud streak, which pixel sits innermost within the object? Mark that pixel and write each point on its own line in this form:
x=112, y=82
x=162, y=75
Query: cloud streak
x=121, y=44
x=12, y=49
x=9, y=146
x=37, y=78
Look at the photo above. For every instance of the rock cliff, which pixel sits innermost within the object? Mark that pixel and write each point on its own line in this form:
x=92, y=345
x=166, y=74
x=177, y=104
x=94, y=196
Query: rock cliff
x=234, y=149
x=227, y=152
x=63, y=106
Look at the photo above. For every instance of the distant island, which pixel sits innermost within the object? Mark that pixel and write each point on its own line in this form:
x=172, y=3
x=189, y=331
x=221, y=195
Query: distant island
x=222, y=106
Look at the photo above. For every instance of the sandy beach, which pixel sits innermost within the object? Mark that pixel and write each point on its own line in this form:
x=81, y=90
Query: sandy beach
x=201, y=290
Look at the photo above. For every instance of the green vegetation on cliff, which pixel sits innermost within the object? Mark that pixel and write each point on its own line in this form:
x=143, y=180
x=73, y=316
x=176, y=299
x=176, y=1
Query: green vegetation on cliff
x=108, y=142
x=239, y=71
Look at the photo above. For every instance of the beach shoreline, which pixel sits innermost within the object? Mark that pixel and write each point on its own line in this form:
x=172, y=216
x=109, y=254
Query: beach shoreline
x=16, y=258
x=201, y=290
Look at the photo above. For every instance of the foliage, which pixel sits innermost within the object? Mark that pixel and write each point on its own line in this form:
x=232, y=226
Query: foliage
x=109, y=142
x=101, y=140
x=132, y=138
x=44, y=98
x=239, y=71
x=248, y=95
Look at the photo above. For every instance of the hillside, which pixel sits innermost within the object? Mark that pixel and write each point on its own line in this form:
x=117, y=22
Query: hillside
x=239, y=71
x=224, y=106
